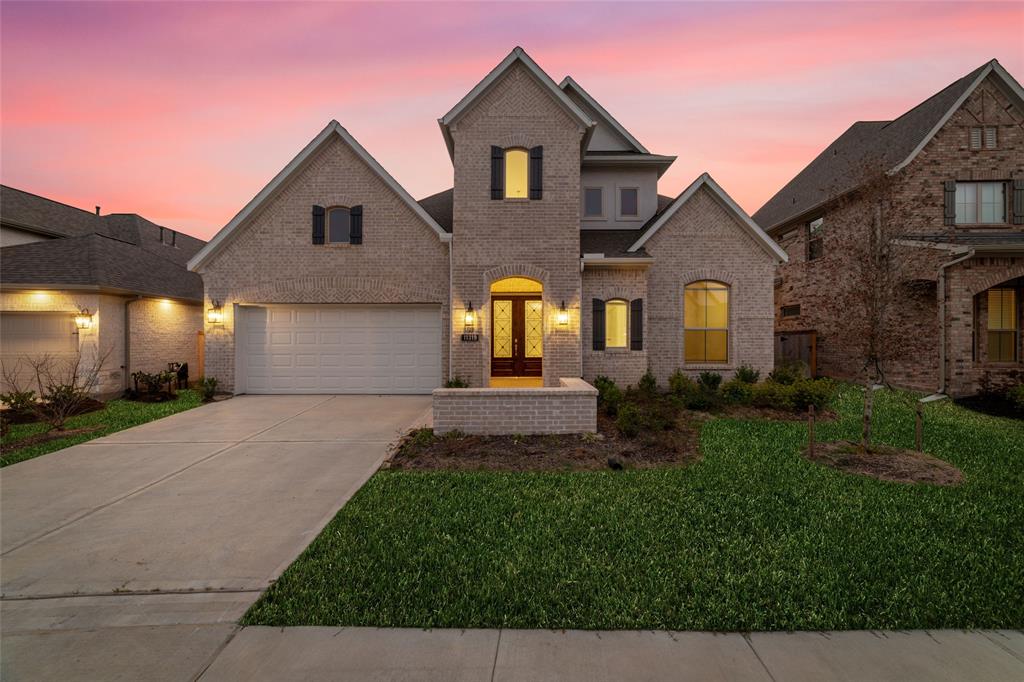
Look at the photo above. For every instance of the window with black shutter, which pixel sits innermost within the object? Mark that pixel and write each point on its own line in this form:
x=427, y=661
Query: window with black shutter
x=598, y=317
x=537, y=172
x=339, y=225
x=636, y=324
x=318, y=224
x=355, y=233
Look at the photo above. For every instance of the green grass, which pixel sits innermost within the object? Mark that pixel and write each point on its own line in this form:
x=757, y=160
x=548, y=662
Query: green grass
x=753, y=537
x=116, y=416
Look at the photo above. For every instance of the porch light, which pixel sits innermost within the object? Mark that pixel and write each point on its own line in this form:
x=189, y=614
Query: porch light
x=470, y=319
x=83, y=320
x=563, y=315
x=215, y=315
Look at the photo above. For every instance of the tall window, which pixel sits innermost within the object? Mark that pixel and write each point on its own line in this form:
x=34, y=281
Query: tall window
x=517, y=174
x=629, y=202
x=616, y=314
x=338, y=225
x=815, y=234
x=706, y=322
x=980, y=203
x=1002, y=325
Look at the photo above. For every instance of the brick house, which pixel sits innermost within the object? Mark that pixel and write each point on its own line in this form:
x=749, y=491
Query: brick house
x=957, y=166
x=74, y=281
x=552, y=258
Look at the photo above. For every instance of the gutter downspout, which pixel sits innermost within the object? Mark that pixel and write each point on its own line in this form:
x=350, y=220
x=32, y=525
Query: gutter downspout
x=128, y=341
x=451, y=310
x=942, y=314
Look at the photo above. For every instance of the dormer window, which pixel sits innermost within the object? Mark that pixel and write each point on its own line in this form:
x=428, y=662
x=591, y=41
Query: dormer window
x=629, y=203
x=338, y=225
x=593, y=202
x=517, y=173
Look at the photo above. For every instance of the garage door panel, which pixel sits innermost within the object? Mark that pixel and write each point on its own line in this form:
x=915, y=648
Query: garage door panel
x=341, y=349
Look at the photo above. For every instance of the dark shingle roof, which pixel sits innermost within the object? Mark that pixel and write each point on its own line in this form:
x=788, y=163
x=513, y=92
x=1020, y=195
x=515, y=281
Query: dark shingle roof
x=22, y=209
x=866, y=146
x=612, y=243
x=97, y=260
x=439, y=207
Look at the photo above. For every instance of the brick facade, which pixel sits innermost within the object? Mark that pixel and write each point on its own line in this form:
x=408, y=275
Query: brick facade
x=570, y=407
x=164, y=331
x=623, y=365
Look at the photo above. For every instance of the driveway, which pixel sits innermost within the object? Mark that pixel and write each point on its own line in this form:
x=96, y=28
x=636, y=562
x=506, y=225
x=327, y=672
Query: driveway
x=134, y=555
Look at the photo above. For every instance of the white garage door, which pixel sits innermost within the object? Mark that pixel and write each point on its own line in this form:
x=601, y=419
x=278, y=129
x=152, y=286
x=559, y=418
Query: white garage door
x=34, y=335
x=340, y=349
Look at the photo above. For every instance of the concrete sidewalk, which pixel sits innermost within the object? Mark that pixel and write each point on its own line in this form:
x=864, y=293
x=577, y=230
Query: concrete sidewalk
x=262, y=653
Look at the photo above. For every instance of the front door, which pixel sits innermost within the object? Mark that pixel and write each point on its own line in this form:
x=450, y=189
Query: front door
x=517, y=341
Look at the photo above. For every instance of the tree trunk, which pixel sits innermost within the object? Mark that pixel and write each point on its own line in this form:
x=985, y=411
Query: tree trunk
x=869, y=399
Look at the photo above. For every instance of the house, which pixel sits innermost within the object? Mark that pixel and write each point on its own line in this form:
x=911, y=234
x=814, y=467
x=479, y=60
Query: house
x=956, y=163
x=551, y=257
x=116, y=285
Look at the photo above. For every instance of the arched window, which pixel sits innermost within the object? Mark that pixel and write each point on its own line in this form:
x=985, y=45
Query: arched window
x=338, y=225
x=616, y=316
x=706, y=322
x=517, y=175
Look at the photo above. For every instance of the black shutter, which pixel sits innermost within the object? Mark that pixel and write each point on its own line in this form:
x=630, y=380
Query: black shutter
x=1018, y=202
x=636, y=324
x=497, y=172
x=318, y=224
x=537, y=172
x=949, y=202
x=355, y=225
x=598, y=324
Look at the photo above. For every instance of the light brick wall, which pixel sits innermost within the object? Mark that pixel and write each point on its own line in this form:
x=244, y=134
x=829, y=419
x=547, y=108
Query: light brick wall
x=624, y=366
x=704, y=241
x=500, y=238
x=165, y=331
x=571, y=407
x=272, y=259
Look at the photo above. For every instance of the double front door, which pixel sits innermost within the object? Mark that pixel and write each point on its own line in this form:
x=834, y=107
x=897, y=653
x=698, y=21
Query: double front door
x=517, y=341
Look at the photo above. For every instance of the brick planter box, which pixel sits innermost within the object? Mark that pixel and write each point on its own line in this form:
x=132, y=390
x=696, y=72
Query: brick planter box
x=571, y=407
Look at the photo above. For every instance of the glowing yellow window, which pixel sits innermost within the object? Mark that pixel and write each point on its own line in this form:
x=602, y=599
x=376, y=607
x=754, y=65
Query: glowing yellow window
x=615, y=315
x=706, y=322
x=517, y=176
x=1002, y=325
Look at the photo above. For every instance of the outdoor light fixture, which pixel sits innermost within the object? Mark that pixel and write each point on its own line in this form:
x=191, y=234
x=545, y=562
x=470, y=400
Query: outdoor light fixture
x=563, y=315
x=83, y=320
x=215, y=315
x=470, y=319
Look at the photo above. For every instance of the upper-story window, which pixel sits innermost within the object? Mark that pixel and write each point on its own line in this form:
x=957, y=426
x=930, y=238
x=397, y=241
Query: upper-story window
x=517, y=173
x=983, y=137
x=593, y=202
x=980, y=203
x=338, y=225
x=815, y=235
x=629, y=202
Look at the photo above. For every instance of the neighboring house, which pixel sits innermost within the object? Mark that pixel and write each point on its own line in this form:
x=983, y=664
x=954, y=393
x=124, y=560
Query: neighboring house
x=552, y=256
x=121, y=275
x=957, y=163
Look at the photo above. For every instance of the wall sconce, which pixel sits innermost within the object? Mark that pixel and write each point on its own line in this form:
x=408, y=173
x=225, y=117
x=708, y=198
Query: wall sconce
x=215, y=315
x=563, y=315
x=83, y=320
x=470, y=319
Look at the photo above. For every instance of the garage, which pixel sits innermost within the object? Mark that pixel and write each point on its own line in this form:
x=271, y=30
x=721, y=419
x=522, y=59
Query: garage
x=35, y=334
x=339, y=349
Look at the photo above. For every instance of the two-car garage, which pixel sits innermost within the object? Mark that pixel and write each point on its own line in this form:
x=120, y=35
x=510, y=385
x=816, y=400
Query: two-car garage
x=338, y=348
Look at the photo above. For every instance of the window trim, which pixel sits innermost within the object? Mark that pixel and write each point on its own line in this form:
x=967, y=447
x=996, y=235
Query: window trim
x=619, y=215
x=1007, y=208
x=327, y=225
x=505, y=174
x=598, y=216
x=722, y=286
x=625, y=322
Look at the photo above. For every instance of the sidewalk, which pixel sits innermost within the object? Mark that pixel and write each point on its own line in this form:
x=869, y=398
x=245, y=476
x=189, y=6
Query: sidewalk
x=263, y=653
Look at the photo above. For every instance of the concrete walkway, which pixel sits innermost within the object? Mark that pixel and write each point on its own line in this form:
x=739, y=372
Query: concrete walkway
x=133, y=556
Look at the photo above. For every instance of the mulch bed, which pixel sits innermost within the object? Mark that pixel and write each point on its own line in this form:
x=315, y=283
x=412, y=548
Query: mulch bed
x=773, y=414
x=47, y=436
x=608, y=449
x=886, y=463
x=28, y=416
x=991, y=404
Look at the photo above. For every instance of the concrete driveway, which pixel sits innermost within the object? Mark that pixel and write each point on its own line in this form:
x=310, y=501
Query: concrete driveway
x=134, y=555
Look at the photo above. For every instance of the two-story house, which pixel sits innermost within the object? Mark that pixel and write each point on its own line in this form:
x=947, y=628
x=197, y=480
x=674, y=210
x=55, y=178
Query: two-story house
x=552, y=256
x=956, y=164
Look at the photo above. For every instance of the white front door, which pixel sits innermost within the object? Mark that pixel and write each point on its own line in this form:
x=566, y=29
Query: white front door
x=339, y=348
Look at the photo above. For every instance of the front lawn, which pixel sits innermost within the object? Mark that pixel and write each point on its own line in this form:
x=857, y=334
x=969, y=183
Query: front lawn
x=117, y=415
x=752, y=537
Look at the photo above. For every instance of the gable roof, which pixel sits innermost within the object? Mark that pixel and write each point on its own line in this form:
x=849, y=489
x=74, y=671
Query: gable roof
x=569, y=84
x=331, y=130
x=440, y=206
x=518, y=55
x=705, y=180
x=889, y=144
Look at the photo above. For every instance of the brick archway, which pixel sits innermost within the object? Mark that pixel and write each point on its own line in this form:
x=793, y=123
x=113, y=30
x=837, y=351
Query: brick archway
x=996, y=279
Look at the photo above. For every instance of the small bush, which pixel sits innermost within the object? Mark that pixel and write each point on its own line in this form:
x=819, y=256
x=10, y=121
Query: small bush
x=629, y=421
x=19, y=401
x=787, y=373
x=807, y=392
x=609, y=396
x=680, y=384
x=772, y=394
x=208, y=387
x=456, y=382
x=709, y=381
x=738, y=392
x=647, y=384
x=1016, y=397
x=747, y=374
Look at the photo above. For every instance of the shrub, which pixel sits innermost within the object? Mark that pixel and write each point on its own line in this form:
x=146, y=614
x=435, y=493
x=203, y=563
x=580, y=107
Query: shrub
x=609, y=396
x=1016, y=397
x=647, y=384
x=19, y=401
x=738, y=392
x=680, y=384
x=807, y=392
x=629, y=421
x=709, y=381
x=787, y=373
x=772, y=394
x=208, y=386
x=747, y=374
x=456, y=382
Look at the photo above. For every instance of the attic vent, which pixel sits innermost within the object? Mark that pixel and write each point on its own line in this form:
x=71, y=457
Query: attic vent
x=990, y=137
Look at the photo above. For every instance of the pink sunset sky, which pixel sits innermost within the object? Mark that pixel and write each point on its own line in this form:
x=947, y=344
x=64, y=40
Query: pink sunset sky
x=183, y=111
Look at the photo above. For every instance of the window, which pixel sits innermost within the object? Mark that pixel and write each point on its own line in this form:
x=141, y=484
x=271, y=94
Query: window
x=616, y=315
x=986, y=135
x=629, y=204
x=338, y=225
x=593, y=202
x=517, y=174
x=706, y=322
x=1002, y=325
x=791, y=310
x=980, y=203
x=815, y=243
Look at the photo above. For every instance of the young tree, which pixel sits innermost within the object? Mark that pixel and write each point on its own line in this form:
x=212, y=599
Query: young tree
x=63, y=382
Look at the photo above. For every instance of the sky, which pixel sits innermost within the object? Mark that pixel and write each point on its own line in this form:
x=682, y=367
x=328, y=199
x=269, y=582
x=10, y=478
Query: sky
x=183, y=111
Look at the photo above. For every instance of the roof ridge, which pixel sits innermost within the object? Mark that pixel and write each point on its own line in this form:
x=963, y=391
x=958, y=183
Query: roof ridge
x=972, y=75
x=52, y=201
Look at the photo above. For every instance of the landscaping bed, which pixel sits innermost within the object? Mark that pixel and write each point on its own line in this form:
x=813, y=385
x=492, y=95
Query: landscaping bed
x=886, y=463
